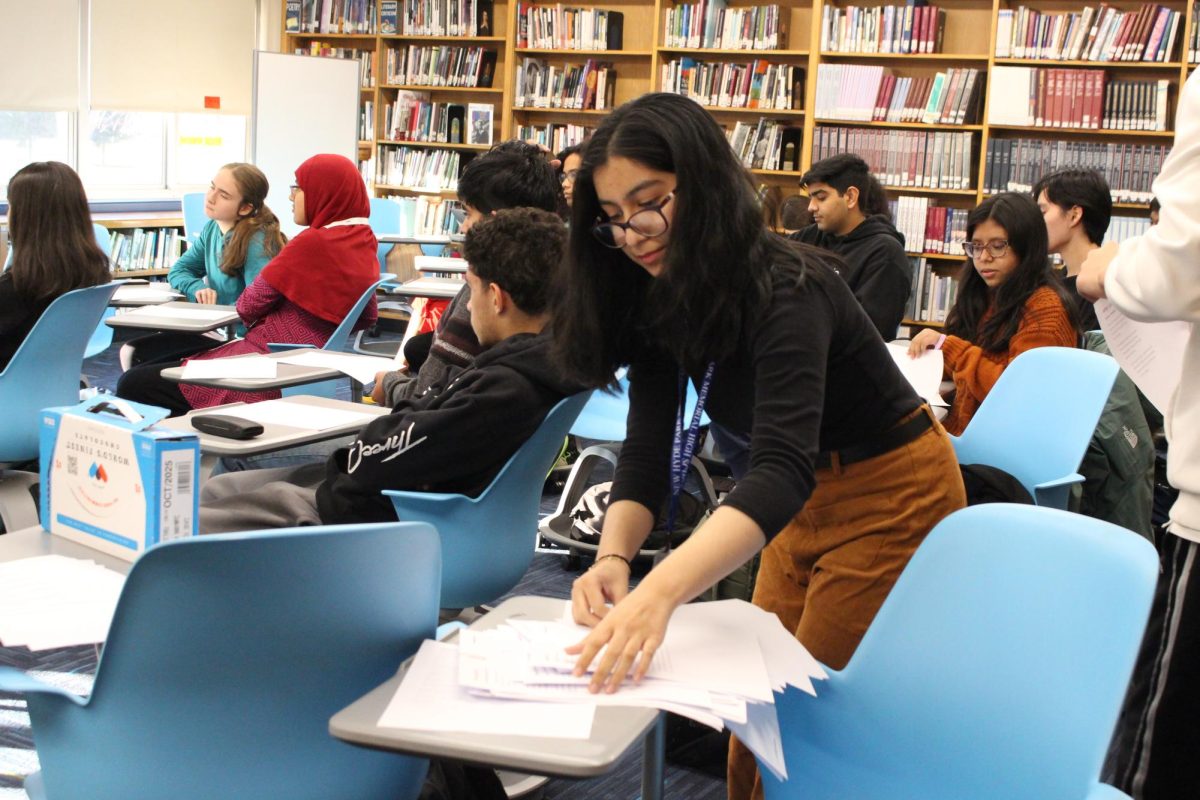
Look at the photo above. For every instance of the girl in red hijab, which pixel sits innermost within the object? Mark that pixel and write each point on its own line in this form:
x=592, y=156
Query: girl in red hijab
x=301, y=295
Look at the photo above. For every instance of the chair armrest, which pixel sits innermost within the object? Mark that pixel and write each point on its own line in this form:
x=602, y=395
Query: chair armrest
x=420, y=502
x=279, y=347
x=1066, y=480
x=14, y=680
x=1102, y=791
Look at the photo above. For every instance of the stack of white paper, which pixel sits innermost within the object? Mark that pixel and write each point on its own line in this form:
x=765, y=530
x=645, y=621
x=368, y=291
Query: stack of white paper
x=361, y=368
x=251, y=366
x=55, y=601
x=923, y=372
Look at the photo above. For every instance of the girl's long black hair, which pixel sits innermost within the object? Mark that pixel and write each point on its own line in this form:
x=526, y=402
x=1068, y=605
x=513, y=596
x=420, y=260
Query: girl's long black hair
x=1021, y=220
x=720, y=262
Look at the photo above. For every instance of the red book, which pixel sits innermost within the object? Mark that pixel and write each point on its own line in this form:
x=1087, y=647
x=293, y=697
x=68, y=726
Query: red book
x=1118, y=43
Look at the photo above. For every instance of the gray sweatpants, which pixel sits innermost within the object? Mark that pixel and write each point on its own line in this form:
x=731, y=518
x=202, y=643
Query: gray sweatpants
x=261, y=499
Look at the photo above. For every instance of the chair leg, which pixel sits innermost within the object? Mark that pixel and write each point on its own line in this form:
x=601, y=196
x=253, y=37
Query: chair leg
x=18, y=509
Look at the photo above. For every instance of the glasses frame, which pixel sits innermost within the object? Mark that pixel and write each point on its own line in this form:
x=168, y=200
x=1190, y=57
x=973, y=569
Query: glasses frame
x=974, y=251
x=628, y=225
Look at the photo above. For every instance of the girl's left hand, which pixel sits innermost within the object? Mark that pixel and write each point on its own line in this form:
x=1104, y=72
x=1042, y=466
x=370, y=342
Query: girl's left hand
x=632, y=630
x=924, y=340
x=206, y=297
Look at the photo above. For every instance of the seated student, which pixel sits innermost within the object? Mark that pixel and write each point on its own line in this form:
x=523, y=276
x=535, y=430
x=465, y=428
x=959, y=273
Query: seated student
x=568, y=167
x=238, y=240
x=301, y=296
x=1154, y=208
x=1077, y=207
x=453, y=440
x=850, y=218
x=54, y=248
x=1009, y=301
x=512, y=174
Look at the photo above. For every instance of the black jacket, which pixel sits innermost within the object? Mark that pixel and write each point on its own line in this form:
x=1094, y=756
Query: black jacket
x=453, y=441
x=877, y=270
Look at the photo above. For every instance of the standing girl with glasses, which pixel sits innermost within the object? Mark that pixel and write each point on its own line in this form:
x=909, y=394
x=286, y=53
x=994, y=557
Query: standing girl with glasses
x=1009, y=301
x=672, y=271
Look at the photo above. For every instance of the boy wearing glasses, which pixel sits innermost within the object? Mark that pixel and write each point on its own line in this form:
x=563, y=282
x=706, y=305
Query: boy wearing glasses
x=1077, y=207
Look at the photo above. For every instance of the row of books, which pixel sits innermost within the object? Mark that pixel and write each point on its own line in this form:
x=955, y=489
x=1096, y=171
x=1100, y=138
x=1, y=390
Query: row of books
x=366, y=59
x=555, y=136
x=329, y=16
x=1076, y=98
x=440, y=65
x=412, y=117
x=588, y=86
x=1015, y=165
x=766, y=144
x=561, y=28
x=759, y=84
x=144, y=248
x=1093, y=34
x=1193, y=47
x=904, y=158
x=710, y=24
x=366, y=121
x=908, y=28
x=418, y=168
x=864, y=92
x=932, y=294
x=437, y=17
x=426, y=215
x=928, y=227
x=1121, y=228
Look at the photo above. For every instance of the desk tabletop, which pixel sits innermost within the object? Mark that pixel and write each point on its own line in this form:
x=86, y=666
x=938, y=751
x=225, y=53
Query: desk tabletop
x=614, y=730
x=273, y=437
x=402, y=238
x=441, y=288
x=285, y=375
x=133, y=295
x=160, y=318
x=33, y=542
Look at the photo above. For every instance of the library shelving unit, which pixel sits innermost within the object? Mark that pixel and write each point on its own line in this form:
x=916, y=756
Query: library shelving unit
x=158, y=225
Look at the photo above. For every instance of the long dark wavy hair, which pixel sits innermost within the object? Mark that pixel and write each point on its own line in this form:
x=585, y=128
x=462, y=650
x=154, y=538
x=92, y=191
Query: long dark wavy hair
x=721, y=260
x=1018, y=215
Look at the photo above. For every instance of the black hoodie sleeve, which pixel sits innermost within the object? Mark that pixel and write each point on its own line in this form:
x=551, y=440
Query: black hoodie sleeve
x=882, y=284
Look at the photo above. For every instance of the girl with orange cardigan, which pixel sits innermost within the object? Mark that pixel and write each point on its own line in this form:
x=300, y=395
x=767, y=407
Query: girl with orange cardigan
x=1009, y=301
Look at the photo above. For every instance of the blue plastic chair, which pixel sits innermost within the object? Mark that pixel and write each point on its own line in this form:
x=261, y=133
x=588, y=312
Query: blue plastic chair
x=995, y=669
x=194, y=218
x=488, y=541
x=43, y=372
x=1037, y=420
x=603, y=418
x=385, y=218
x=226, y=658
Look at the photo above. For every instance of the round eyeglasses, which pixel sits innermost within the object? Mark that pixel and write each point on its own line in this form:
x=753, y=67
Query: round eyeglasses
x=650, y=222
x=995, y=248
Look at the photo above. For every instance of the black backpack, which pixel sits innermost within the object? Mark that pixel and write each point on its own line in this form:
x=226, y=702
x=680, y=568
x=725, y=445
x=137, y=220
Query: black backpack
x=986, y=484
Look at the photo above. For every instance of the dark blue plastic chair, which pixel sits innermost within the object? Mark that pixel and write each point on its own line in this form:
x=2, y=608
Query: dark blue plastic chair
x=488, y=541
x=994, y=670
x=226, y=658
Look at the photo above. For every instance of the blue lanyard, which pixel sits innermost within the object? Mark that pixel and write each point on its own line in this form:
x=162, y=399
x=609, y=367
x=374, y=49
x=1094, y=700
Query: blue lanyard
x=685, y=444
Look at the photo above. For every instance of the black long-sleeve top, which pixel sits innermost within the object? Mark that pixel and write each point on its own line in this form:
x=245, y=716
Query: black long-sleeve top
x=810, y=374
x=18, y=315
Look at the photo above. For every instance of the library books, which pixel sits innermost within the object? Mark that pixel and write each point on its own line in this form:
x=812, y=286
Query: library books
x=144, y=248
x=1015, y=165
x=419, y=169
x=931, y=295
x=555, y=135
x=412, y=117
x=366, y=121
x=758, y=84
x=365, y=58
x=426, y=215
x=865, y=93
x=710, y=24
x=766, y=144
x=588, y=86
x=559, y=27
x=900, y=158
x=1101, y=33
x=447, y=18
x=1121, y=228
x=1193, y=48
x=440, y=65
x=907, y=28
x=928, y=227
x=1076, y=98
x=330, y=16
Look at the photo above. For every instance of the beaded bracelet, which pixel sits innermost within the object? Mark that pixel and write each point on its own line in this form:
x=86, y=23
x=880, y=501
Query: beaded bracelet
x=614, y=555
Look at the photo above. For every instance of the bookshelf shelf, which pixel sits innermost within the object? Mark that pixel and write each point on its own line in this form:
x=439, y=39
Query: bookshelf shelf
x=139, y=273
x=926, y=190
x=1172, y=66
x=937, y=256
x=756, y=112
x=923, y=323
x=907, y=58
x=528, y=51
x=849, y=123
x=401, y=37
x=712, y=51
x=340, y=37
x=385, y=187
x=1084, y=131
x=591, y=112
x=777, y=173
x=441, y=145
x=465, y=89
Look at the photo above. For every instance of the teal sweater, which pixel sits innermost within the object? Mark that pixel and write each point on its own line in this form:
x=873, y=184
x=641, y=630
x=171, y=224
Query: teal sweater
x=200, y=267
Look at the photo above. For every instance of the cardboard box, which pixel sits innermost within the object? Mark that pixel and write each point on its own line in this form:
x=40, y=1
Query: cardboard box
x=111, y=481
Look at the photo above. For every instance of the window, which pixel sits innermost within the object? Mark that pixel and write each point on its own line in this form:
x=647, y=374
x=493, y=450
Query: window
x=32, y=136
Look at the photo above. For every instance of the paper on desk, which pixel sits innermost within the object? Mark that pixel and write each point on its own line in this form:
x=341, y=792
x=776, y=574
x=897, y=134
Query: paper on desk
x=298, y=415
x=180, y=312
x=361, y=368
x=55, y=601
x=145, y=294
x=239, y=367
x=430, y=699
x=1151, y=353
x=924, y=372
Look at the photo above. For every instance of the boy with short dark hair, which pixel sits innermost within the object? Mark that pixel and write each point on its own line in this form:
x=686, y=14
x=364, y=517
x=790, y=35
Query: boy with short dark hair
x=1077, y=207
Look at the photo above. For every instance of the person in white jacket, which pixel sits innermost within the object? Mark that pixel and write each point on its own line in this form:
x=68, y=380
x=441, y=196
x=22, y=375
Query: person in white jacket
x=1156, y=277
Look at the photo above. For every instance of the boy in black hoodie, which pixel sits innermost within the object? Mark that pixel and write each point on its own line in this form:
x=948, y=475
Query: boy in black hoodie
x=850, y=218
x=455, y=440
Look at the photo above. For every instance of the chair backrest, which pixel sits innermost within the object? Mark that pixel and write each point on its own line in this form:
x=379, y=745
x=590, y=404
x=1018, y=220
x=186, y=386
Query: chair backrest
x=337, y=340
x=1037, y=420
x=488, y=541
x=103, y=238
x=228, y=655
x=45, y=369
x=194, y=218
x=385, y=218
x=995, y=668
x=603, y=418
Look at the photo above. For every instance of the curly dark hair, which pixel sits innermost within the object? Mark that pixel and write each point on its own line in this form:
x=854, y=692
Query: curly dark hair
x=512, y=174
x=520, y=249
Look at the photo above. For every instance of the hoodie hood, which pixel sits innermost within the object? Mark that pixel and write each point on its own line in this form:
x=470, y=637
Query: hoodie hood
x=530, y=355
x=875, y=225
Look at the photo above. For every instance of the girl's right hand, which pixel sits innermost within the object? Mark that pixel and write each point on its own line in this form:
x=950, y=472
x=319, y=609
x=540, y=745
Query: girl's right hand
x=606, y=582
x=206, y=297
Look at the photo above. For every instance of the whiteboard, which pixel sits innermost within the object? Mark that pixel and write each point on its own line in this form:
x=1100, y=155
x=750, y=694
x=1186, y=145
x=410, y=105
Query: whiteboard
x=302, y=106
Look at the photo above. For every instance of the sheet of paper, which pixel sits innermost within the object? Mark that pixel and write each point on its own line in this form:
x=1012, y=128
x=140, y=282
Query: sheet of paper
x=298, y=415
x=181, y=312
x=145, y=294
x=760, y=734
x=55, y=601
x=430, y=699
x=240, y=367
x=361, y=368
x=1151, y=353
x=924, y=372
